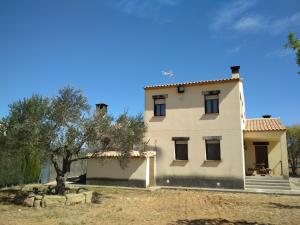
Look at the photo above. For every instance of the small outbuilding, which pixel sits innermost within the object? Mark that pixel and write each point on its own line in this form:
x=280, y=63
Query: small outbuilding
x=105, y=169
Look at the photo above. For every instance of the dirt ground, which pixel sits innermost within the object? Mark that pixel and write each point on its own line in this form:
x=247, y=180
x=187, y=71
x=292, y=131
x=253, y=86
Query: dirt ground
x=117, y=206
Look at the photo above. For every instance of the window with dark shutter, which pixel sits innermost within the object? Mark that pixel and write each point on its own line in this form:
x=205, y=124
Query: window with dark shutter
x=159, y=107
x=181, y=150
x=213, y=151
x=211, y=103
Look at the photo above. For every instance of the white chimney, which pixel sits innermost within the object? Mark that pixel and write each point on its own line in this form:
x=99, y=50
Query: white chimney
x=235, y=72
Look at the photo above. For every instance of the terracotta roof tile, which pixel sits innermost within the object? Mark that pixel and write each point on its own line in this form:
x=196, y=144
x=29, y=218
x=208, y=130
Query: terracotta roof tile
x=264, y=124
x=114, y=154
x=192, y=83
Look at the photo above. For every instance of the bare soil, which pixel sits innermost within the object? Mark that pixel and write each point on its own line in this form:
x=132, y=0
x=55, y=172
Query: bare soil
x=118, y=206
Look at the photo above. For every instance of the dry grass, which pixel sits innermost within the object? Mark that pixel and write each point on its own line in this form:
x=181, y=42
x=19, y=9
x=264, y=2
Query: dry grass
x=181, y=207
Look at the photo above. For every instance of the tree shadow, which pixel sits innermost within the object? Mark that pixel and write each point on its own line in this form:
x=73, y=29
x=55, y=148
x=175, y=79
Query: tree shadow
x=215, y=222
x=15, y=197
x=283, y=206
x=97, y=198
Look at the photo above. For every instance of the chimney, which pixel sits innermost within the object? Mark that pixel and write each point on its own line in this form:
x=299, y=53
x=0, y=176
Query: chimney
x=101, y=106
x=235, y=72
x=266, y=116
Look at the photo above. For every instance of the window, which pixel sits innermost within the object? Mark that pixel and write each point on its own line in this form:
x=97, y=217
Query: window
x=211, y=103
x=213, y=150
x=159, y=107
x=181, y=150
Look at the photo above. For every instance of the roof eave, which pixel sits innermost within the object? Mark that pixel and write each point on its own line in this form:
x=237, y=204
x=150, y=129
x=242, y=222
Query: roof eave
x=265, y=130
x=188, y=84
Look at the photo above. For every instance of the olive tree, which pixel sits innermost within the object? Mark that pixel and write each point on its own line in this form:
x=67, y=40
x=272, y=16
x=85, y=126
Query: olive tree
x=64, y=130
x=294, y=44
x=293, y=144
x=73, y=132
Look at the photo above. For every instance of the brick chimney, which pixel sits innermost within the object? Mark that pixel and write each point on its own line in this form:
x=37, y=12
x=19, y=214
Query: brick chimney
x=101, y=106
x=267, y=116
x=235, y=72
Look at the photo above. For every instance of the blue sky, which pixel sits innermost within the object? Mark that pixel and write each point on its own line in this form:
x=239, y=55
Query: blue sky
x=111, y=49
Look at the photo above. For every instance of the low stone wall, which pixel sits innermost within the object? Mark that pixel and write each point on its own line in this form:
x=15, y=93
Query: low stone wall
x=39, y=201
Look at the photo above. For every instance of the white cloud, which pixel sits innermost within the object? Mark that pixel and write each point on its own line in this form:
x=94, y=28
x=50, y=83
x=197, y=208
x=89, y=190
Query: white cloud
x=249, y=23
x=235, y=49
x=229, y=12
x=241, y=16
x=283, y=24
x=146, y=9
x=280, y=53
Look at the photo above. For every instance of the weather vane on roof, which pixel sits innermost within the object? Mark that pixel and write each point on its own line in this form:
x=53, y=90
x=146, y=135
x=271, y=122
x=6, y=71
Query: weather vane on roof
x=168, y=73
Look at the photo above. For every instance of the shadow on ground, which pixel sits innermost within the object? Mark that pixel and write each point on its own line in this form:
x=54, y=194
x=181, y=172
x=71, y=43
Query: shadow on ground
x=215, y=222
x=15, y=197
x=283, y=206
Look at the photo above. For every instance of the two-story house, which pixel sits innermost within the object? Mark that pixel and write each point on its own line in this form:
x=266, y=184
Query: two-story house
x=199, y=135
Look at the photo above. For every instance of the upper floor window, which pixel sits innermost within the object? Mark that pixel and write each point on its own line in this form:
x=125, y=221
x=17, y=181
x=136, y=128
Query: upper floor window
x=181, y=148
x=159, y=105
x=211, y=101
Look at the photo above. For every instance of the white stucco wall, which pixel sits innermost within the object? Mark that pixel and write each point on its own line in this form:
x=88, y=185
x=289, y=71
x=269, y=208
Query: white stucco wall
x=110, y=169
x=185, y=117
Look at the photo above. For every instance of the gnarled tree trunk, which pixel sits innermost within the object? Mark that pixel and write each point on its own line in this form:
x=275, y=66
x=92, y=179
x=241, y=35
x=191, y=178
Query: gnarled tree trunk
x=60, y=184
x=60, y=175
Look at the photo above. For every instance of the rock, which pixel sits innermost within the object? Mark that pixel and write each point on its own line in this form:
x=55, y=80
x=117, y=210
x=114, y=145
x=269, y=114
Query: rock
x=30, y=194
x=38, y=197
x=53, y=200
x=35, y=190
x=37, y=203
x=29, y=201
x=81, y=190
x=88, y=196
x=72, y=199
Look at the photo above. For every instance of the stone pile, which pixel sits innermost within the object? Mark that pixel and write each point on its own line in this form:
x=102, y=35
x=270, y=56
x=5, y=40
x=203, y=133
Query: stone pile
x=38, y=201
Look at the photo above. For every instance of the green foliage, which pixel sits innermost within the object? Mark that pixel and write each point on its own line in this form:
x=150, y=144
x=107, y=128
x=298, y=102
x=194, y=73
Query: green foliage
x=128, y=133
x=61, y=129
x=74, y=131
x=294, y=43
x=293, y=143
x=21, y=149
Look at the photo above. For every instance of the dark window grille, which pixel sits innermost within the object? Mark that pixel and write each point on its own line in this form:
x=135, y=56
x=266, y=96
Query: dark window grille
x=160, y=107
x=213, y=150
x=211, y=104
x=181, y=150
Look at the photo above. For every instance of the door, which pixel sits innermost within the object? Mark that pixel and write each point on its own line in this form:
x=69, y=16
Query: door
x=261, y=155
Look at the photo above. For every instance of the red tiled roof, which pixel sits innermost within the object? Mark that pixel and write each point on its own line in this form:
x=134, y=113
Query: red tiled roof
x=264, y=124
x=114, y=154
x=192, y=83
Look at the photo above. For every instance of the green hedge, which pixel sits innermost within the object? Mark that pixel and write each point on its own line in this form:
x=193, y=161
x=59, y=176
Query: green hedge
x=18, y=168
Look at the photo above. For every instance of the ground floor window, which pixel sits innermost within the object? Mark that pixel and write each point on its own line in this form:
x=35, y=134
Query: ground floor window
x=213, y=150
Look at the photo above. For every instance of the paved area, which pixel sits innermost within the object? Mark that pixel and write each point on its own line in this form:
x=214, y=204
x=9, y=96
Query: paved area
x=295, y=188
x=253, y=191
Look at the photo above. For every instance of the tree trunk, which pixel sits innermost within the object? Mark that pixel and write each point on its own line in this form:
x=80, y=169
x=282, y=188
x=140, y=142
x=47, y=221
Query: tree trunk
x=60, y=177
x=60, y=184
x=294, y=166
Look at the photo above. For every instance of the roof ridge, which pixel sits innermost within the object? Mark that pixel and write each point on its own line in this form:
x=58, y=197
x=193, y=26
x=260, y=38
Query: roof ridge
x=276, y=118
x=192, y=83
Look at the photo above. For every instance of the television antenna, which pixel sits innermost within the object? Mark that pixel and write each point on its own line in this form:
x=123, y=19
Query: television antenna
x=168, y=73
